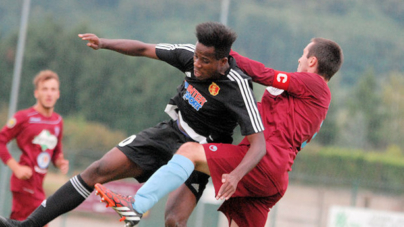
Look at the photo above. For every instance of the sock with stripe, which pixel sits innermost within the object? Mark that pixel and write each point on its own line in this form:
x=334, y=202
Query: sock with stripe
x=166, y=179
x=65, y=199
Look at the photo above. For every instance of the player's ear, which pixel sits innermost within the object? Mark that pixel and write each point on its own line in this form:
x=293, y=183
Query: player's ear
x=224, y=61
x=312, y=61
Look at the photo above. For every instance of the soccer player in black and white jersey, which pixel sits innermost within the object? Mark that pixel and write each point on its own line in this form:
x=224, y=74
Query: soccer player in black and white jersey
x=214, y=97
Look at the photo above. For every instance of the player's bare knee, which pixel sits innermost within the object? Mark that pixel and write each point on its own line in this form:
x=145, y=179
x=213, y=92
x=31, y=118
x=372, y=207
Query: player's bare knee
x=173, y=221
x=188, y=150
x=169, y=222
x=94, y=173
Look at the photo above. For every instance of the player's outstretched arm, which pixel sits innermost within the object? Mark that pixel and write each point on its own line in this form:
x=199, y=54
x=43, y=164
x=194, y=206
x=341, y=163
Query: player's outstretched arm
x=123, y=46
x=256, y=70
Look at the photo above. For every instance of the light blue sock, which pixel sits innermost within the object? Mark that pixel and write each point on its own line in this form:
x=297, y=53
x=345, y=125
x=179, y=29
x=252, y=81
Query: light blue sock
x=162, y=182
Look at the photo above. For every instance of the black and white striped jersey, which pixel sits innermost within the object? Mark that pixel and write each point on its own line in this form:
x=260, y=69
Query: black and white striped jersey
x=209, y=110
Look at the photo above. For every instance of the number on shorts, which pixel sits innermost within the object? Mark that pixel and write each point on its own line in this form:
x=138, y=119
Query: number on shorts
x=127, y=141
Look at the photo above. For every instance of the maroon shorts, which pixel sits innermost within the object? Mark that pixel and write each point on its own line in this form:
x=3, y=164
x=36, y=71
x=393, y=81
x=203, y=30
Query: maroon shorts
x=23, y=205
x=255, y=194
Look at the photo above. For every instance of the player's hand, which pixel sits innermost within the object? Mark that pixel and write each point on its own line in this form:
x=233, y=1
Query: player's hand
x=228, y=187
x=93, y=40
x=62, y=164
x=23, y=172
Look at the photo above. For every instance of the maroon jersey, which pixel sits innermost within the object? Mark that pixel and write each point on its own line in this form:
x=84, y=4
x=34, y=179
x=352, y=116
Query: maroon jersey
x=40, y=141
x=292, y=108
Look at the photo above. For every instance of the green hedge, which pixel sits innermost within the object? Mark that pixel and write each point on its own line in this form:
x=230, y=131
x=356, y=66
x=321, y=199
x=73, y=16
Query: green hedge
x=339, y=166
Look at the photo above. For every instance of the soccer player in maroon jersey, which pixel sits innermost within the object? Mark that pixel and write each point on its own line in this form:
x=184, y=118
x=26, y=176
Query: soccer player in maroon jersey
x=38, y=133
x=292, y=108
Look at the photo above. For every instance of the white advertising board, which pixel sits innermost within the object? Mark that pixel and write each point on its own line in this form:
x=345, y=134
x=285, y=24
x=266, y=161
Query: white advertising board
x=361, y=217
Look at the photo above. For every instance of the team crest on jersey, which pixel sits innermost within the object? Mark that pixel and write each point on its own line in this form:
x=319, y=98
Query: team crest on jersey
x=195, y=99
x=43, y=160
x=11, y=122
x=46, y=140
x=214, y=89
x=213, y=148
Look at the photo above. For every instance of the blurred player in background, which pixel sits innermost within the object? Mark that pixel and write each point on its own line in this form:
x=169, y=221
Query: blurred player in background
x=38, y=133
x=293, y=109
x=214, y=97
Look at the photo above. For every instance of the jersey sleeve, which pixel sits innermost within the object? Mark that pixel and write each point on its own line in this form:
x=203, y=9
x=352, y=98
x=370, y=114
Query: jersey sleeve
x=243, y=105
x=58, y=149
x=298, y=84
x=256, y=70
x=9, y=132
x=177, y=55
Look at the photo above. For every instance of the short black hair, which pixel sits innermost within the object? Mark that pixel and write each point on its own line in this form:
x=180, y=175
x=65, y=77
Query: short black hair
x=217, y=35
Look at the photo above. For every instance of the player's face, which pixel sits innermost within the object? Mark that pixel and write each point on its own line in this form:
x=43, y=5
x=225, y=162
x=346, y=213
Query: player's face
x=47, y=93
x=206, y=66
x=304, y=60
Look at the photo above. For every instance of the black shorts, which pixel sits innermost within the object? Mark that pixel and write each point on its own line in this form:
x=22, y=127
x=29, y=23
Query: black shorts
x=154, y=147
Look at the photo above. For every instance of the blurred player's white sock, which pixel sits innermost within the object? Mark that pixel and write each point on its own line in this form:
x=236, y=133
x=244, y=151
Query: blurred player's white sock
x=162, y=182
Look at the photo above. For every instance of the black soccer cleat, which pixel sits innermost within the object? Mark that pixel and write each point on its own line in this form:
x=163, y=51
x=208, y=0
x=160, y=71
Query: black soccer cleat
x=121, y=204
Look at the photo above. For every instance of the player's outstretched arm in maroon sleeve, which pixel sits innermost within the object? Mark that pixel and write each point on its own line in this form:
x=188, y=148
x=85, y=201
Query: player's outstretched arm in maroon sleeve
x=256, y=70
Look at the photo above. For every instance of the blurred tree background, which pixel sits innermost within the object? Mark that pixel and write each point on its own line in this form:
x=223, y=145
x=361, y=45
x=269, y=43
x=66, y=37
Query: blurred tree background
x=127, y=94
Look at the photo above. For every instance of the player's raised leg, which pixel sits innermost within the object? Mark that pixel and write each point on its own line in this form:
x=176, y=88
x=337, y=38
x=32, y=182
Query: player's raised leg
x=166, y=179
